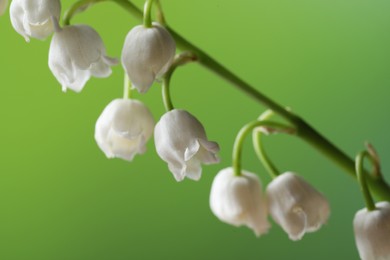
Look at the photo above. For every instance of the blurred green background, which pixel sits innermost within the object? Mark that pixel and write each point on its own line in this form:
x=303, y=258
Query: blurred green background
x=61, y=199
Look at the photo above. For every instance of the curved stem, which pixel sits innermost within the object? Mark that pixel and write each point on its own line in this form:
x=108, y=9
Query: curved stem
x=374, y=157
x=160, y=14
x=148, y=13
x=262, y=155
x=166, y=93
x=259, y=148
x=238, y=143
x=304, y=130
x=180, y=59
x=362, y=180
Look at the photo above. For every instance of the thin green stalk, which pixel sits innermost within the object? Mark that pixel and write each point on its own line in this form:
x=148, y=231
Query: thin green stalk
x=362, y=180
x=166, y=93
x=126, y=87
x=262, y=155
x=304, y=130
x=160, y=14
x=180, y=59
x=148, y=13
x=238, y=143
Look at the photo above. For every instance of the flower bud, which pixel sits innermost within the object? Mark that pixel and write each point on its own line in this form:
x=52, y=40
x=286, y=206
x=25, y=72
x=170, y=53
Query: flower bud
x=372, y=232
x=181, y=142
x=238, y=200
x=76, y=53
x=296, y=206
x=123, y=129
x=147, y=54
x=3, y=6
x=33, y=18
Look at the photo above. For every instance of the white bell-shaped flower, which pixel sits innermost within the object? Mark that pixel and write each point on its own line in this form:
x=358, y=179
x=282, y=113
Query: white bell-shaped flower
x=3, y=6
x=33, y=18
x=296, y=206
x=238, y=200
x=147, y=54
x=181, y=142
x=372, y=232
x=123, y=129
x=76, y=53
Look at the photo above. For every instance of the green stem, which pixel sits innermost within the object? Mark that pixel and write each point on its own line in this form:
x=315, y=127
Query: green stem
x=304, y=130
x=166, y=93
x=362, y=180
x=259, y=148
x=160, y=13
x=262, y=155
x=180, y=59
x=238, y=143
x=148, y=13
x=126, y=87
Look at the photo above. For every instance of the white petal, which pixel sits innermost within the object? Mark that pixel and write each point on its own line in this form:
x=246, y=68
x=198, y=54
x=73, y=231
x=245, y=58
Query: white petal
x=147, y=53
x=372, y=232
x=77, y=53
x=32, y=18
x=191, y=150
x=207, y=153
x=238, y=200
x=296, y=206
x=123, y=129
x=83, y=44
x=179, y=139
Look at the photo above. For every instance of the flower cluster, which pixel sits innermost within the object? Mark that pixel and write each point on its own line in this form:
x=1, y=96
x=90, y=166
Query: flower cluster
x=77, y=53
x=125, y=125
x=294, y=204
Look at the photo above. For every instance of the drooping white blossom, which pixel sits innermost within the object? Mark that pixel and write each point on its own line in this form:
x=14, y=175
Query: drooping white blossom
x=76, y=53
x=372, y=232
x=296, y=206
x=123, y=129
x=181, y=141
x=238, y=200
x=147, y=54
x=3, y=6
x=33, y=18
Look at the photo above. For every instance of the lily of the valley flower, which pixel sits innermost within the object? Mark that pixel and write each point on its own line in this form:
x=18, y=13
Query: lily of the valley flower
x=238, y=200
x=123, y=129
x=76, y=53
x=147, y=54
x=296, y=206
x=33, y=18
x=181, y=142
x=3, y=6
x=372, y=232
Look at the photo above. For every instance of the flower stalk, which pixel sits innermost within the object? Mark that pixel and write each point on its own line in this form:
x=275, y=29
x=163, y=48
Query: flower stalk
x=180, y=59
x=238, y=143
x=257, y=139
x=370, y=205
x=126, y=87
x=148, y=13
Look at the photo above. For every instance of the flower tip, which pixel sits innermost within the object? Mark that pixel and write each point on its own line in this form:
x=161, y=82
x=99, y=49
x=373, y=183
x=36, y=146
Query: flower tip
x=110, y=60
x=262, y=230
x=142, y=89
x=178, y=178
